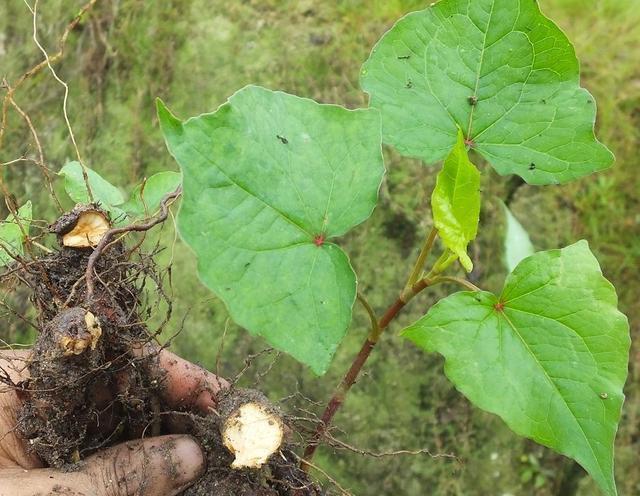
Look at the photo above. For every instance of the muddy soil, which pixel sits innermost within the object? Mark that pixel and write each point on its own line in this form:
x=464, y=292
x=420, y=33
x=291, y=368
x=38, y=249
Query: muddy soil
x=92, y=387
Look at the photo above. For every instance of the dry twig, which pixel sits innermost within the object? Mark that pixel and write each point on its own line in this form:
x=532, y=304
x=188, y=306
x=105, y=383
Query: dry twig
x=341, y=444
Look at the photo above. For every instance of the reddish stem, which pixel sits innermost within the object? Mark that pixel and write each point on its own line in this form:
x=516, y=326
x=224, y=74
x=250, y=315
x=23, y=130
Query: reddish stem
x=352, y=375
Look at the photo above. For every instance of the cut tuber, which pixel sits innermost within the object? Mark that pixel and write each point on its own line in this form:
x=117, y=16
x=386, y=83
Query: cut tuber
x=83, y=227
x=252, y=430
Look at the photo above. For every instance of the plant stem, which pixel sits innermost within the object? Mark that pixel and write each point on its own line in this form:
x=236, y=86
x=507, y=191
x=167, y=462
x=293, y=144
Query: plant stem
x=422, y=257
x=352, y=374
x=369, y=309
x=415, y=284
x=459, y=280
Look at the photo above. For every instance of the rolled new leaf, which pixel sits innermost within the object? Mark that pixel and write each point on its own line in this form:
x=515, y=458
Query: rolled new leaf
x=455, y=202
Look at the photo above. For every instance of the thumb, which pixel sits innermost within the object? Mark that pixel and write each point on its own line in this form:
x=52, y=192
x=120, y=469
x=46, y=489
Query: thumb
x=161, y=466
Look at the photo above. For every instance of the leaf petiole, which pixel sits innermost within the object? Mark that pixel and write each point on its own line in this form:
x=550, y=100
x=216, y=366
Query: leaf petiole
x=372, y=314
x=458, y=280
x=443, y=263
x=422, y=257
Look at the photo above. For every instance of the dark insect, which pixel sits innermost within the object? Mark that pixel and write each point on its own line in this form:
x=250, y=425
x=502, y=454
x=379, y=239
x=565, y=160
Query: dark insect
x=409, y=85
x=532, y=166
x=404, y=57
x=473, y=100
x=284, y=140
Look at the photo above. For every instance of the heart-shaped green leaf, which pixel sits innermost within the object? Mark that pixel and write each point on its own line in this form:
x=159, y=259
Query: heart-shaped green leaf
x=549, y=355
x=455, y=202
x=499, y=70
x=146, y=197
x=269, y=179
x=104, y=193
x=12, y=234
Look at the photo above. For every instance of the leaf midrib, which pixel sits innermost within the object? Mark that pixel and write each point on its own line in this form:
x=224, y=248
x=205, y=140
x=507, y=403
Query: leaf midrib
x=454, y=196
x=555, y=387
x=479, y=71
x=249, y=192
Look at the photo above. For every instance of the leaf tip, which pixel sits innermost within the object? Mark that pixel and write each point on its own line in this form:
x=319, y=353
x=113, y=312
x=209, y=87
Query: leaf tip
x=581, y=246
x=169, y=123
x=466, y=262
x=67, y=167
x=319, y=369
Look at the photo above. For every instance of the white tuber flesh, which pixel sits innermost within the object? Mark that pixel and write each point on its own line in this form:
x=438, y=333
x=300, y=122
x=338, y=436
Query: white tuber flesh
x=252, y=433
x=88, y=231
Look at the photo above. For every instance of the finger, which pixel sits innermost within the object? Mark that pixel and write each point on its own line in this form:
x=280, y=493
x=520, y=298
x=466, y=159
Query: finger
x=19, y=482
x=188, y=384
x=13, y=363
x=14, y=450
x=162, y=466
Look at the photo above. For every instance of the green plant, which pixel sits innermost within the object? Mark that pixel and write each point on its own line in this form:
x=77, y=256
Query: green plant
x=271, y=180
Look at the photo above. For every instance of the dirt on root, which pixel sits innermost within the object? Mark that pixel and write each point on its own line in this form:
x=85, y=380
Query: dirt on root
x=92, y=387
x=280, y=476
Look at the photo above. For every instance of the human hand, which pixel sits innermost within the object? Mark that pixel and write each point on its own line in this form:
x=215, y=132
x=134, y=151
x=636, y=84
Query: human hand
x=160, y=466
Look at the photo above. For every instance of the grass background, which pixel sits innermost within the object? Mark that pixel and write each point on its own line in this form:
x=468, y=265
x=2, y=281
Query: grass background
x=194, y=54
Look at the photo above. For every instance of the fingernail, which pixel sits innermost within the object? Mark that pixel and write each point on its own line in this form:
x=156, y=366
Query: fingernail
x=188, y=461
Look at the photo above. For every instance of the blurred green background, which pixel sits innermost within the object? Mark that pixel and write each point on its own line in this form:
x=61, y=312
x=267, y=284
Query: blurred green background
x=194, y=54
